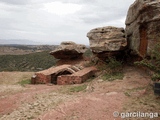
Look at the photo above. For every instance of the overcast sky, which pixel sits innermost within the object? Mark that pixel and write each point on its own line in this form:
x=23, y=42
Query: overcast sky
x=54, y=21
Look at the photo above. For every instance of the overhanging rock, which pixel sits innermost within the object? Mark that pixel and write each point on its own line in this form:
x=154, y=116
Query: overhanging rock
x=69, y=50
x=107, y=41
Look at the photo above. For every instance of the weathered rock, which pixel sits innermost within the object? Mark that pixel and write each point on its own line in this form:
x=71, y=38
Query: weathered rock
x=69, y=50
x=143, y=26
x=107, y=40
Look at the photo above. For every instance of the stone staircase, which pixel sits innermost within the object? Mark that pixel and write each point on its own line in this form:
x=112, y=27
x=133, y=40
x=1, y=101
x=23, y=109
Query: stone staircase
x=75, y=68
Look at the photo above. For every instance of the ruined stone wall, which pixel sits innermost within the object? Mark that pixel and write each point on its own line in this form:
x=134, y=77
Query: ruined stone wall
x=41, y=78
x=76, y=78
x=67, y=80
x=87, y=76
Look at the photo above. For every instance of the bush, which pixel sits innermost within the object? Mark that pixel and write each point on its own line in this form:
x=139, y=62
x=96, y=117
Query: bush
x=113, y=69
x=88, y=53
x=114, y=65
x=153, y=63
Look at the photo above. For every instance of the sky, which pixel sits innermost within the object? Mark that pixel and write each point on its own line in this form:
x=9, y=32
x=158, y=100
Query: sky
x=53, y=21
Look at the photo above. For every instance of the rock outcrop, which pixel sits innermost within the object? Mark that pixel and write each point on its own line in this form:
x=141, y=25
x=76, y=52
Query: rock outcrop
x=106, y=41
x=69, y=50
x=143, y=26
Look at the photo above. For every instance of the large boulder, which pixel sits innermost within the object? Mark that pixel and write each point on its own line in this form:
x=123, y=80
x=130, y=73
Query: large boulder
x=69, y=50
x=106, y=41
x=143, y=26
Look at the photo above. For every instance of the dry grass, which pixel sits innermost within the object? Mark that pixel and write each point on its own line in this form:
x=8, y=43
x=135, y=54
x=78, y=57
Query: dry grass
x=9, y=82
x=146, y=102
x=11, y=78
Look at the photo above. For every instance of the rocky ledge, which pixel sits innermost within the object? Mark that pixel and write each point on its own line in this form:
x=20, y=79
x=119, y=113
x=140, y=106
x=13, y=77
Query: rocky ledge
x=107, y=41
x=69, y=50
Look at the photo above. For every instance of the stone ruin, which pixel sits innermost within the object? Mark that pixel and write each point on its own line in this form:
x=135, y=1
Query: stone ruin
x=63, y=75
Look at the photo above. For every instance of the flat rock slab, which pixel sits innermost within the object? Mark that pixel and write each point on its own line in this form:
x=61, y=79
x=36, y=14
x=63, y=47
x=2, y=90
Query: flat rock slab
x=69, y=50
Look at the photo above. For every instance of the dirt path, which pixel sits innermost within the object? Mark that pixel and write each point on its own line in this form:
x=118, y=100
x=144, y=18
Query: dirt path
x=97, y=102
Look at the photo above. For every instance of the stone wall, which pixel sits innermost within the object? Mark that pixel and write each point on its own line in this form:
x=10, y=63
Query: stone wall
x=41, y=79
x=78, y=77
x=67, y=80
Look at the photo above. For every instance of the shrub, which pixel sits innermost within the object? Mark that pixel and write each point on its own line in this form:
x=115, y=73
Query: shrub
x=114, y=65
x=88, y=53
x=153, y=63
x=113, y=69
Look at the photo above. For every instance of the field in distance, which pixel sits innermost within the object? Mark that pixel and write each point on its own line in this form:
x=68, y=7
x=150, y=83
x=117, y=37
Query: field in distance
x=26, y=57
x=14, y=49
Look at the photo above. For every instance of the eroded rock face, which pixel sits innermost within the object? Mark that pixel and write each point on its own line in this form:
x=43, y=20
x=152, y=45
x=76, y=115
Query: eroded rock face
x=143, y=26
x=107, y=40
x=69, y=50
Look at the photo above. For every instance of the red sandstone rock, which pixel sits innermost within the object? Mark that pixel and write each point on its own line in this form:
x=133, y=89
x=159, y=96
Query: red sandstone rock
x=107, y=41
x=143, y=26
x=69, y=50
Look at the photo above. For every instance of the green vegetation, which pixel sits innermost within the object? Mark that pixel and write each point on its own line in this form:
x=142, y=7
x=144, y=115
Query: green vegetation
x=130, y=91
x=70, y=89
x=78, y=88
x=23, y=47
x=24, y=82
x=28, y=62
x=113, y=70
x=153, y=63
x=88, y=53
x=113, y=76
x=31, y=47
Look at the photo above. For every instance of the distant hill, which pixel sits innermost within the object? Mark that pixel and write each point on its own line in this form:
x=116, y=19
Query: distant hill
x=19, y=41
x=27, y=62
x=14, y=49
